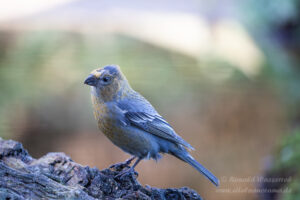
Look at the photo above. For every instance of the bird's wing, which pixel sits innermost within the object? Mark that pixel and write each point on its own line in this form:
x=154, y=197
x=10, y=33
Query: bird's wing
x=155, y=125
x=150, y=121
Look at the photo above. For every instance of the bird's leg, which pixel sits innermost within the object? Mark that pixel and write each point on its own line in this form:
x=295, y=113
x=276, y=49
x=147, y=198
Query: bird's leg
x=130, y=170
x=135, y=164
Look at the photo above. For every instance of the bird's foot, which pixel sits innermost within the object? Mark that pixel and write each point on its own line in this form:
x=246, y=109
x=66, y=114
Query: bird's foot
x=129, y=160
x=122, y=165
x=126, y=173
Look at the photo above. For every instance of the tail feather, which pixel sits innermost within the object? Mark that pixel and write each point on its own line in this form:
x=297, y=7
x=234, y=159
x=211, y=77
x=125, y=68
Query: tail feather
x=186, y=157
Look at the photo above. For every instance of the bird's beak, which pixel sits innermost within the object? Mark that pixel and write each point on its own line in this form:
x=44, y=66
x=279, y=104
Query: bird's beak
x=91, y=80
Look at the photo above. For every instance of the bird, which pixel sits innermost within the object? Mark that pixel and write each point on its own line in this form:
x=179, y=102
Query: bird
x=130, y=122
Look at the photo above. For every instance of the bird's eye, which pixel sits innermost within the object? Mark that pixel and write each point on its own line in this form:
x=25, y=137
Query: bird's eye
x=106, y=79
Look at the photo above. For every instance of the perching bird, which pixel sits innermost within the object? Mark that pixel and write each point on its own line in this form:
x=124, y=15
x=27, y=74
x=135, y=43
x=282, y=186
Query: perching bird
x=132, y=123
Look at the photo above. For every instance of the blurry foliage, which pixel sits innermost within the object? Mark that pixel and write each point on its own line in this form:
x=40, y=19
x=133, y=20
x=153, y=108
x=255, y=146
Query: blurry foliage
x=39, y=68
x=289, y=154
x=287, y=161
x=25, y=70
x=275, y=25
x=294, y=186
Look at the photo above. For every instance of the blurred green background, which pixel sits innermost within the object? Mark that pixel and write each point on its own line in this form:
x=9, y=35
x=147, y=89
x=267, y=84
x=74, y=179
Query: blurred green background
x=225, y=74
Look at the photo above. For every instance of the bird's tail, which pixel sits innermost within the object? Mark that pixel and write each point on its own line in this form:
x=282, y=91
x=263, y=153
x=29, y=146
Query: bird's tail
x=186, y=157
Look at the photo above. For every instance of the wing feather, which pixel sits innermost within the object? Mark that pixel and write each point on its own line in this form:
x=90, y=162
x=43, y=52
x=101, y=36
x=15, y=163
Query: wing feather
x=155, y=125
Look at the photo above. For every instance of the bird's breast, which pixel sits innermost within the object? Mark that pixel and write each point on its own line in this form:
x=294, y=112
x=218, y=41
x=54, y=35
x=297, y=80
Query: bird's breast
x=108, y=117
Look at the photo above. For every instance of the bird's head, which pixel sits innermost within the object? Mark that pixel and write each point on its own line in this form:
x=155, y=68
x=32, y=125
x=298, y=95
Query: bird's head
x=107, y=82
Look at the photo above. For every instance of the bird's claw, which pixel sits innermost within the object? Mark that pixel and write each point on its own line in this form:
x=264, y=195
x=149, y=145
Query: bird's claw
x=126, y=172
x=129, y=160
x=122, y=164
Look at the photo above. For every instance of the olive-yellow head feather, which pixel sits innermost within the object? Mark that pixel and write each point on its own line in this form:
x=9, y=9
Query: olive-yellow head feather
x=107, y=83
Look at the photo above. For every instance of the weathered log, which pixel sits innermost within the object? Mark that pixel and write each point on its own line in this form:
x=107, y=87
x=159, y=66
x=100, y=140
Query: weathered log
x=56, y=176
